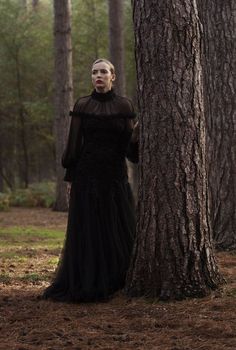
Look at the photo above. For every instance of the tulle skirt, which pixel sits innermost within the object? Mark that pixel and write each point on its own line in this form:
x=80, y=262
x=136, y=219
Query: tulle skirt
x=98, y=243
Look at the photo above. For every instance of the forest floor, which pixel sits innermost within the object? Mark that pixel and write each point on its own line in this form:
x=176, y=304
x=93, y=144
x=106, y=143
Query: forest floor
x=31, y=240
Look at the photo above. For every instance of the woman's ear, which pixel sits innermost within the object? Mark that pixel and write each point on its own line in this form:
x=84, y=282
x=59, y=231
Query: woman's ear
x=113, y=77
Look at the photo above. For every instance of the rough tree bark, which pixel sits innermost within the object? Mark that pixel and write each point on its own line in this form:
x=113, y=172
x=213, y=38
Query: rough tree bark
x=63, y=90
x=116, y=42
x=173, y=255
x=219, y=23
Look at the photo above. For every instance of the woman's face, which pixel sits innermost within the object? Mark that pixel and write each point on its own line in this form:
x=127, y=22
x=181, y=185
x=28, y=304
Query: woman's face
x=102, y=77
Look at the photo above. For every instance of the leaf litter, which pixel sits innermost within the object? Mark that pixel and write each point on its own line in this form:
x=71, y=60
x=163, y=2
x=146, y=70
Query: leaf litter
x=29, y=323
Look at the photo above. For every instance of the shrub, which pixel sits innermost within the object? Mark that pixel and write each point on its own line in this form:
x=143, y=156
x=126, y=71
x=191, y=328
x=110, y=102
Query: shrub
x=4, y=201
x=44, y=193
x=37, y=195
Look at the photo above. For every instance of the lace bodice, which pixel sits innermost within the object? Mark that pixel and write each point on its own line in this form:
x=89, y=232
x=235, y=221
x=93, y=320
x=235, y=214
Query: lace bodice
x=99, y=137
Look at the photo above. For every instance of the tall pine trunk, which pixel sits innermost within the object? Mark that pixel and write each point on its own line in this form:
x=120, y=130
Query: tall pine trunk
x=1, y=155
x=35, y=4
x=117, y=57
x=24, y=3
x=22, y=149
x=173, y=255
x=63, y=90
x=116, y=42
x=219, y=23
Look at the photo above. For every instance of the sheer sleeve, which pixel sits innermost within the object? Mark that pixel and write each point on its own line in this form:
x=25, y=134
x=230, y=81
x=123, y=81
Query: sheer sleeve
x=73, y=146
x=132, y=153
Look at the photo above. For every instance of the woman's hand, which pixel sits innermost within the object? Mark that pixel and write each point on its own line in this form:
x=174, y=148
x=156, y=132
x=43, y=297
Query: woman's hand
x=68, y=188
x=135, y=133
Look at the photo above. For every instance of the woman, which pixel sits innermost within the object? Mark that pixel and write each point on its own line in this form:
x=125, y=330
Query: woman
x=101, y=220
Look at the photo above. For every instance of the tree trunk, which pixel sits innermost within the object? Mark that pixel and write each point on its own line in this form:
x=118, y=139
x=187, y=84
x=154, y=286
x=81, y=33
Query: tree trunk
x=219, y=23
x=173, y=255
x=116, y=42
x=24, y=165
x=63, y=90
x=91, y=9
x=24, y=3
x=35, y=4
x=116, y=49
x=22, y=132
x=1, y=155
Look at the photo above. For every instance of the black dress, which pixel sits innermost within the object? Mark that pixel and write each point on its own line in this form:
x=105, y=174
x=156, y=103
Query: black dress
x=101, y=220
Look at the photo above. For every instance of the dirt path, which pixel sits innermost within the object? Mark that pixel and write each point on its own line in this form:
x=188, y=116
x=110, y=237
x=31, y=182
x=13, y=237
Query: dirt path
x=27, y=322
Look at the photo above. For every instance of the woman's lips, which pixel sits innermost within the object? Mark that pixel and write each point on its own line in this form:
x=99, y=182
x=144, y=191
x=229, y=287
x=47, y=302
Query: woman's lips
x=99, y=81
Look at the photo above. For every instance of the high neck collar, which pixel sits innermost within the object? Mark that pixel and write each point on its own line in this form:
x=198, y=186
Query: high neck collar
x=103, y=96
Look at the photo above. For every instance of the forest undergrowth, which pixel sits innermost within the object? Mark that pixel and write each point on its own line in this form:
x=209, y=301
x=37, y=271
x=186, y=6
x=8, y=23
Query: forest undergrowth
x=31, y=240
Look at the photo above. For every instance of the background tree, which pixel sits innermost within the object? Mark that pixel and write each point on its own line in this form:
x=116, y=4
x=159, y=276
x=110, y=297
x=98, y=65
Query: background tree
x=63, y=89
x=24, y=3
x=35, y=4
x=28, y=36
x=89, y=41
x=173, y=255
x=25, y=90
x=116, y=42
x=219, y=24
x=117, y=57
x=1, y=160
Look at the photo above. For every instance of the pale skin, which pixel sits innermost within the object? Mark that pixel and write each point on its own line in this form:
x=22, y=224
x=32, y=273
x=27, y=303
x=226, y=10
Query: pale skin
x=102, y=79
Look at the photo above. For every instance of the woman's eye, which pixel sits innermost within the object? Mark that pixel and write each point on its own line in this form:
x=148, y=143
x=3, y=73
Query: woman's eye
x=102, y=71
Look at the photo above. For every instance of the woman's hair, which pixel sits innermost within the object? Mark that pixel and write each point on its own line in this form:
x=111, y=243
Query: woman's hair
x=112, y=68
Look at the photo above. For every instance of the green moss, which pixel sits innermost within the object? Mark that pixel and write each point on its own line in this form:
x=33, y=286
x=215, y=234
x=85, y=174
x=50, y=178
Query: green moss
x=5, y=278
x=28, y=242
x=29, y=232
x=34, y=277
x=53, y=261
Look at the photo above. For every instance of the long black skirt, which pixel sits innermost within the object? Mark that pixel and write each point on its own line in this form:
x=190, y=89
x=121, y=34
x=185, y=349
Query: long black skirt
x=98, y=244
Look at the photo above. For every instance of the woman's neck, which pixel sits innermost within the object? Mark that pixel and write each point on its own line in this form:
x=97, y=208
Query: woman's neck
x=103, y=96
x=102, y=90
